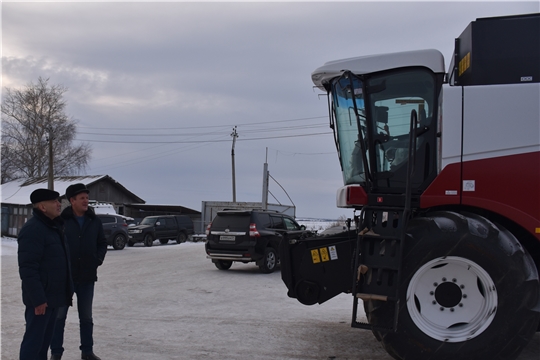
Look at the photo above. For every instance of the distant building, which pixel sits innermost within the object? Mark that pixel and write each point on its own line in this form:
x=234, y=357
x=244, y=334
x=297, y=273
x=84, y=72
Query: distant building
x=17, y=209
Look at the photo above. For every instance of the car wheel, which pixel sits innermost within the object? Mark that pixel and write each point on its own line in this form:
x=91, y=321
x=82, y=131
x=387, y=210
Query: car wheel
x=181, y=238
x=148, y=240
x=119, y=242
x=223, y=264
x=468, y=290
x=269, y=262
x=164, y=241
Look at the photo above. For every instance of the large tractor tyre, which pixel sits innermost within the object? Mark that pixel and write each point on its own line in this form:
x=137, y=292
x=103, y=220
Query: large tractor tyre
x=468, y=290
x=268, y=264
x=148, y=240
x=119, y=242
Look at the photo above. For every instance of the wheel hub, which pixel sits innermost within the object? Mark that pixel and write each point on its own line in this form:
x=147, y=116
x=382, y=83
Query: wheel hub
x=270, y=260
x=448, y=294
x=451, y=299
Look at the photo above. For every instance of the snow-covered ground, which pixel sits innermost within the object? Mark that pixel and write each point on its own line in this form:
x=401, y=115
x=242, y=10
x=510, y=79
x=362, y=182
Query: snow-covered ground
x=170, y=302
x=9, y=246
x=315, y=224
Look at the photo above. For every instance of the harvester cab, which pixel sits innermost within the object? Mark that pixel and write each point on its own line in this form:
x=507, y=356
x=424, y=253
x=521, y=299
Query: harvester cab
x=385, y=127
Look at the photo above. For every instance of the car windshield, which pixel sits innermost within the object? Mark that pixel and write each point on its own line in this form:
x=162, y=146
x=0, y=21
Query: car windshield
x=148, y=221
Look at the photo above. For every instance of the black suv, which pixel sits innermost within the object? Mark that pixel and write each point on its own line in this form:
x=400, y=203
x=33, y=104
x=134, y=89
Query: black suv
x=162, y=227
x=115, y=229
x=251, y=235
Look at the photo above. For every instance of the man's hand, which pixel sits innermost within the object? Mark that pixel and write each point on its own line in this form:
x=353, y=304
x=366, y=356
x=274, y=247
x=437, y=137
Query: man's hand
x=40, y=309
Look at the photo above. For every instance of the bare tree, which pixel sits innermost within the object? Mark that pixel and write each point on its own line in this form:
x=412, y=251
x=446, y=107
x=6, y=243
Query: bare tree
x=31, y=117
x=341, y=221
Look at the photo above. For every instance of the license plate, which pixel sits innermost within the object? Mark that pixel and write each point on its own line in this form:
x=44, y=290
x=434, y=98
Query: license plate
x=227, y=238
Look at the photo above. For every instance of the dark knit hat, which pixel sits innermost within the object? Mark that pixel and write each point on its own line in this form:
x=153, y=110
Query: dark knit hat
x=40, y=195
x=75, y=189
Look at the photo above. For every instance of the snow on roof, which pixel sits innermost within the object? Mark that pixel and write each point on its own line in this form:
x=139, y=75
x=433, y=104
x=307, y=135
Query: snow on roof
x=18, y=191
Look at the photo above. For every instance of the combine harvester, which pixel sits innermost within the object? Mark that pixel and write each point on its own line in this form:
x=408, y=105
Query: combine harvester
x=443, y=173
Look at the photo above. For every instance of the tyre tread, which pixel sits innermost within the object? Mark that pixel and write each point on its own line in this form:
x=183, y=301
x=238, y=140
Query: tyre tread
x=473, y=231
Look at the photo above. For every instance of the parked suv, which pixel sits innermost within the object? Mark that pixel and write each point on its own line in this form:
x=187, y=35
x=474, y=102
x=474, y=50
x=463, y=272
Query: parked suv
x=115, y=228
x=162, y=227
x=249, y=236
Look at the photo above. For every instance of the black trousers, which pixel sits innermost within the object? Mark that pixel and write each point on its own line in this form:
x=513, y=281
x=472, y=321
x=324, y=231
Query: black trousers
x=38, y=334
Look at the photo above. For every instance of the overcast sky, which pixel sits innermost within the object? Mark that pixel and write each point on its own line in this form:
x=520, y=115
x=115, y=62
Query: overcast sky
x=157, y=88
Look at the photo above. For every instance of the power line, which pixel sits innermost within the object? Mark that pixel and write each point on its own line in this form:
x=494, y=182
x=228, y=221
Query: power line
x=206, y=126
x=190, y=144
x=201, y=141
x=210, y=133
x=142, y=159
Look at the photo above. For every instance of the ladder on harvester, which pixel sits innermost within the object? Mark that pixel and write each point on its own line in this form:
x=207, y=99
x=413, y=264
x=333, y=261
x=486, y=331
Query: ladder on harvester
x=379, y=248
x=378, y=262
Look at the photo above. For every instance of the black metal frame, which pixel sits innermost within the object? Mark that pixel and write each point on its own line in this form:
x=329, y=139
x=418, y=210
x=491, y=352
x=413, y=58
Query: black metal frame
x=379, y=247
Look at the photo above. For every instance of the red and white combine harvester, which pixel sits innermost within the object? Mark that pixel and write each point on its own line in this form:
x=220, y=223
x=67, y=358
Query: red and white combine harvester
x=442, y=170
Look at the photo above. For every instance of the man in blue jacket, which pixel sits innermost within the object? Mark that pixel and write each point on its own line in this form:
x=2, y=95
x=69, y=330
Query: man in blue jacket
x=45, y=273
x=87, y=246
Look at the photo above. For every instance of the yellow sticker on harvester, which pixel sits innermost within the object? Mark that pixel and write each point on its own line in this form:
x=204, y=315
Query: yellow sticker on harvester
x=324, y=254
x=315, y=256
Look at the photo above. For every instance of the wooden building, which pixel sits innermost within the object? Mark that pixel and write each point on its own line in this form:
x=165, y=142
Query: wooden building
x=16, y=206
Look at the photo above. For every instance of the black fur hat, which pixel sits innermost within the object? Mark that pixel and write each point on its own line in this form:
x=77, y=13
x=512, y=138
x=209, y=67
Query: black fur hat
x=75, y=189
x=40, y=195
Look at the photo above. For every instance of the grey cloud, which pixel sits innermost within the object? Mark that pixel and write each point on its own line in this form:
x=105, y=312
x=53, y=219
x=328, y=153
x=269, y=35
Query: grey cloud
x=215, y=65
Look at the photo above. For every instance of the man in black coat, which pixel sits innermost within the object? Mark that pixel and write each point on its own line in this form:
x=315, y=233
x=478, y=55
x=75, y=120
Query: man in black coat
x=88, y=246
x=45, y=273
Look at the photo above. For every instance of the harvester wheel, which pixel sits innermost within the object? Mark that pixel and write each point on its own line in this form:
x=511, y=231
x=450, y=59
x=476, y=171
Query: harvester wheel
x=468, y=290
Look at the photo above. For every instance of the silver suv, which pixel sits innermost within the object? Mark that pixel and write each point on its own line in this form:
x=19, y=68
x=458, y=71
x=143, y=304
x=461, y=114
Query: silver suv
x=115, y=229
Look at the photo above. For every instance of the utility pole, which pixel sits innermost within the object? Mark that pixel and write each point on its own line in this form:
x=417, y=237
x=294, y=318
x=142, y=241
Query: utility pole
x=234, y=136
x=49, y=129
x=265, y=183
x=51, y=175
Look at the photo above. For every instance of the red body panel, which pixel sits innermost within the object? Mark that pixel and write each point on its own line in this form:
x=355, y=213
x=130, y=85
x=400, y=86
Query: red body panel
x=506, y=185
x=445, y=189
